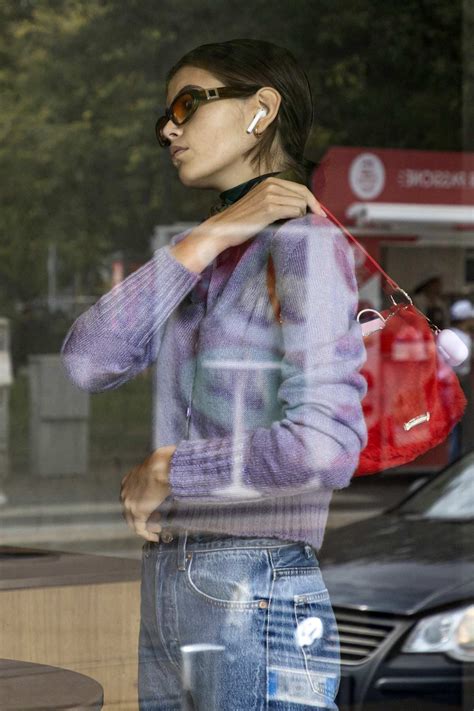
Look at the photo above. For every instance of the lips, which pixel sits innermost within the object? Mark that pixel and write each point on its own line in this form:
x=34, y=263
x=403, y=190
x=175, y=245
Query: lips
x=177, y=151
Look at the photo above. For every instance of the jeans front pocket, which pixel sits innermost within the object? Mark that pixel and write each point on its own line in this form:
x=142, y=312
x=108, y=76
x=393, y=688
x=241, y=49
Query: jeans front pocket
x=236, y=578
x=318, y=639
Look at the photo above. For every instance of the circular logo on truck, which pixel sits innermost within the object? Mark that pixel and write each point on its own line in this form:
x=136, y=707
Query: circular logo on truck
x=367, y=176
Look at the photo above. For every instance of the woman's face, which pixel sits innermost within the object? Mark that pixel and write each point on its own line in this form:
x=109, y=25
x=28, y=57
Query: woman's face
x=215, y=136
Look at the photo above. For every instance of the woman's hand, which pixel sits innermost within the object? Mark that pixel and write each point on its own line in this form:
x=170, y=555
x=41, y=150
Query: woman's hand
x=271, y=200
x=143, y=489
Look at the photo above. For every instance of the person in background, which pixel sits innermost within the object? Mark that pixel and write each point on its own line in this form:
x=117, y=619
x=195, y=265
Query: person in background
x=462, y=323
x=428, y=297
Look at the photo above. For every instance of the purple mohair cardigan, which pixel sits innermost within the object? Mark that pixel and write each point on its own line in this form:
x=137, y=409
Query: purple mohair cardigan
x=267, y=417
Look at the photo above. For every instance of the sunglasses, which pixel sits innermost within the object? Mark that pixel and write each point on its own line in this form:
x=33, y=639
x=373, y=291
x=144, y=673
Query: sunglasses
x=187, y=101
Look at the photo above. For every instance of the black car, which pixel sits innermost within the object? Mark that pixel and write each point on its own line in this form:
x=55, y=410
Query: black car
x=402, y=588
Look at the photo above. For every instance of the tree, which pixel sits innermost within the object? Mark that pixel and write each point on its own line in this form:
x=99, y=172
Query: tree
x=83, y=83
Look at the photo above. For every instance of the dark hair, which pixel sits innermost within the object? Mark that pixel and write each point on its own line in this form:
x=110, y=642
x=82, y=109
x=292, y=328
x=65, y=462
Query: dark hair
x=433, y=279
x=240, y=62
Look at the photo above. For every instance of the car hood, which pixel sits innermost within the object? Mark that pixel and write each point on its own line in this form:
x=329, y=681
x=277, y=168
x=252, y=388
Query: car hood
x=398, y=565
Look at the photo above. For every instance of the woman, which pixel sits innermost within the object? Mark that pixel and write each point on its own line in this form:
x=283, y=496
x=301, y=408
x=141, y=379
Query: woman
x=258, y=421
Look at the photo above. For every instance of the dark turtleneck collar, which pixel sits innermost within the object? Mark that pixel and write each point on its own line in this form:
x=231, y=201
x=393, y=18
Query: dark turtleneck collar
x=233, y=194
x=228, y=197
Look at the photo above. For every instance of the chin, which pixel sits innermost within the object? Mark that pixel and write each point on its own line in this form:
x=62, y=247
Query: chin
x=195, y=181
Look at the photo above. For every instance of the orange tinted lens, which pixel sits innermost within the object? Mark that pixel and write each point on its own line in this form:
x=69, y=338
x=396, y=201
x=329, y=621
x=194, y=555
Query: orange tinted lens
x=182, y=107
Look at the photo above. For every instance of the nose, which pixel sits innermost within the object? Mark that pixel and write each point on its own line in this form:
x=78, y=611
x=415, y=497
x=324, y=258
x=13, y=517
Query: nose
x=170, y=130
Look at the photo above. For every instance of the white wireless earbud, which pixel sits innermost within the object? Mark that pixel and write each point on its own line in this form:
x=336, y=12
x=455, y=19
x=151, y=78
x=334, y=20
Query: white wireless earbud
x=260, y=113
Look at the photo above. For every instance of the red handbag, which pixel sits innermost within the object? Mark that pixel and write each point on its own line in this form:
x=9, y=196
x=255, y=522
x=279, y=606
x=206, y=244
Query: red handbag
x=413, y=398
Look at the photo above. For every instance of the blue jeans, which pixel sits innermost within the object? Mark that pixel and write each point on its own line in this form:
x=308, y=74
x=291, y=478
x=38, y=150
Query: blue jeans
x=235, y=624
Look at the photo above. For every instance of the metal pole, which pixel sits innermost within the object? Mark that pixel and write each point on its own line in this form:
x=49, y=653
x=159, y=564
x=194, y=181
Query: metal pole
x=199, y=666
x=52, y=282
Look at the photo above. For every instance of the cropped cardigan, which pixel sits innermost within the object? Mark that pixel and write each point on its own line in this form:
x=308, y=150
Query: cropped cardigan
x=266, y=416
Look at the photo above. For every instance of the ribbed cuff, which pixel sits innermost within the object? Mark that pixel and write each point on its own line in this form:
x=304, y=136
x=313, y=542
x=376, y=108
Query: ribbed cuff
x=204, y=469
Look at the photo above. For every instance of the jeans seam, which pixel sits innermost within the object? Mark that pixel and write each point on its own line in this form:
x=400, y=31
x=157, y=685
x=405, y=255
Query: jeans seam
x=287, y=572
x=267, y=634
x=319, y=596
x=158, y=625
x=235, y=548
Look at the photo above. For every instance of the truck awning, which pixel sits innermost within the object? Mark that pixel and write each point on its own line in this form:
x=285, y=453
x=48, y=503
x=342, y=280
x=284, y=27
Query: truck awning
x=442, y=225
x=381, y=213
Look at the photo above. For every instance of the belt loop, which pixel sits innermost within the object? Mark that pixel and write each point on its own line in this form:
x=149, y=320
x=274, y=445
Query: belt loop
x=182, y=538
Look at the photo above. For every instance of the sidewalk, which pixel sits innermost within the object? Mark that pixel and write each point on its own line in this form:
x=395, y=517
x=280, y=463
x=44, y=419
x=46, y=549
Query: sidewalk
x=79, y=513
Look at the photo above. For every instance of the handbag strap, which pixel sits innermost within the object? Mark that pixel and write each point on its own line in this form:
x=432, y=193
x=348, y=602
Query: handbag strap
x=393, y=284
x=271, y=286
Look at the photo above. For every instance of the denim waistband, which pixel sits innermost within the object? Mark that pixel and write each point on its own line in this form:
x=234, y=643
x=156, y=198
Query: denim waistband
x=169, y=536
x=184, y=543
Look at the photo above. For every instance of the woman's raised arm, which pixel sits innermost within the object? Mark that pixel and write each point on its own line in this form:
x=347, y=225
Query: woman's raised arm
x=121, y=333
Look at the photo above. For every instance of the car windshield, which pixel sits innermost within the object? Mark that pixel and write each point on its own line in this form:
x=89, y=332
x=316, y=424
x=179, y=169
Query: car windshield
x=450, y=496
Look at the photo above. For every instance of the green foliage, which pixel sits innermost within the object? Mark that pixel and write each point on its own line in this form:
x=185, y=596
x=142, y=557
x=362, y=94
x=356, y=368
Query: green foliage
x=79, y=154
x=83, y=82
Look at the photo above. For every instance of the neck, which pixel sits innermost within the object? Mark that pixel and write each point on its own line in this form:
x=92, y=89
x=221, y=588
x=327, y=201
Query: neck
x=236, y=175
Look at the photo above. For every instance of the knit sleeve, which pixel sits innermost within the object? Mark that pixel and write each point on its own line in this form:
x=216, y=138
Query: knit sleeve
x=120, y=335
x=318, y=440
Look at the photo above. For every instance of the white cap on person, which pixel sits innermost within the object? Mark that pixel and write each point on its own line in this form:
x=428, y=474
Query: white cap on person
x=462, y=310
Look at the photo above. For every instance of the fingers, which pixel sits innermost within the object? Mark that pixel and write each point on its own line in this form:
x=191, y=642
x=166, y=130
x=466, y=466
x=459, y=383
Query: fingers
x=127, y=515
x=142, y=491
x=287, y=185
x=296, y=203
x=147, y=526
x=153, y=522
x=141, y=522
x=289, y=189
x=141, y=530
x=315, y=206
x=271, y=200
x=141, y=527
x=288, y=206
x=153, y=527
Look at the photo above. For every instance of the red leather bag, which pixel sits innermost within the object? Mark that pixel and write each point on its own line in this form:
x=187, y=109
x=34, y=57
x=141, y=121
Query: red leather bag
x=413, y=398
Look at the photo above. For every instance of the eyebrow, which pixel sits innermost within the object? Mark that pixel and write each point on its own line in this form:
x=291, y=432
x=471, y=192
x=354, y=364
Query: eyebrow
x=187, y=86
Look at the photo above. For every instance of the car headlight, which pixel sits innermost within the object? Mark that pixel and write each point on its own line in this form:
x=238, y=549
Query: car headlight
x=450, y=632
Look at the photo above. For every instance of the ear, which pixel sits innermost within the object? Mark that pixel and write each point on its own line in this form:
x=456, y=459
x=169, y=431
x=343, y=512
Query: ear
x=269, y=99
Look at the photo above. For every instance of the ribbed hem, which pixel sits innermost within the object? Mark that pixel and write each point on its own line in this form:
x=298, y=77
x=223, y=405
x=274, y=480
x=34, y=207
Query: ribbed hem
x=297, y=518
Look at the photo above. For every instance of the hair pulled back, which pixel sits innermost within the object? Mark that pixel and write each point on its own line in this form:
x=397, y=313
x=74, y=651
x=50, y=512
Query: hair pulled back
x=239, y=62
